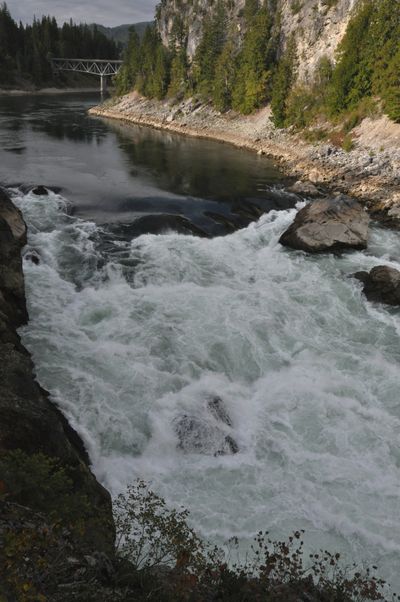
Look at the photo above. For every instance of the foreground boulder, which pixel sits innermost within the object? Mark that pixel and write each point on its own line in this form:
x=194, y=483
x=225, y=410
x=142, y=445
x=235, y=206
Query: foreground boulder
x=381, y=284
x=333, y=224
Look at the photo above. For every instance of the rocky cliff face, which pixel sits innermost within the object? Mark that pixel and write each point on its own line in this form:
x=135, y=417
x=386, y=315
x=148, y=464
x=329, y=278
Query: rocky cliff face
x=29, y=421
x=318, y=25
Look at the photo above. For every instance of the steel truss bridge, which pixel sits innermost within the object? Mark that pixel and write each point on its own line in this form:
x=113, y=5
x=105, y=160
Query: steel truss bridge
x=103, y=68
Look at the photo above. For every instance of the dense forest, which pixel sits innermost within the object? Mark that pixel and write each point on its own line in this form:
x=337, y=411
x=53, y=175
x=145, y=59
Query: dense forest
x=24, y=50
x=244, y=72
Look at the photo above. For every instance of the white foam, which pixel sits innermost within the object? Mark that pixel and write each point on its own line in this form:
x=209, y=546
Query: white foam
x=307, y=368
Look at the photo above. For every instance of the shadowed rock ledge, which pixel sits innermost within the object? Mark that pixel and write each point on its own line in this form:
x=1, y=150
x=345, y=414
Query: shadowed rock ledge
x=29, y=421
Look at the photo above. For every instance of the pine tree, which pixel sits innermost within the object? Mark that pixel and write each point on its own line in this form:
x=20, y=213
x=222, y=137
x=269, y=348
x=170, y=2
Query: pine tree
x=282, y=84
x=178, y=77
x=126, y=78
x=391, y=94
x=26, y=49
x=351, y=78
x=255, y=60
x=225, y=72
x=209, y=49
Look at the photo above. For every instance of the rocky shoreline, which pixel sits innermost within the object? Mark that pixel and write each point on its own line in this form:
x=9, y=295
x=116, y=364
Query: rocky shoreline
x=370, y=172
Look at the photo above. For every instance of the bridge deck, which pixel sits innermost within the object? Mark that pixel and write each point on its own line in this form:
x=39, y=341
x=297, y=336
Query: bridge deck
x=66, y=60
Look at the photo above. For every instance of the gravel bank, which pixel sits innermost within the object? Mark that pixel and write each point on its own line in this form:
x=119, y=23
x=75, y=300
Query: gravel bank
x=370, y=172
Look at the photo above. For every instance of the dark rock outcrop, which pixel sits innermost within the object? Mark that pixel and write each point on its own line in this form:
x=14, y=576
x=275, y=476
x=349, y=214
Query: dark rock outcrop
x=29, y=421
x=333, y=224
x=381, y=284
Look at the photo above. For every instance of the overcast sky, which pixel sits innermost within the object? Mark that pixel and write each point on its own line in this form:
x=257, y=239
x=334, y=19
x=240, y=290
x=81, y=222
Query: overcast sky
x=105, y=12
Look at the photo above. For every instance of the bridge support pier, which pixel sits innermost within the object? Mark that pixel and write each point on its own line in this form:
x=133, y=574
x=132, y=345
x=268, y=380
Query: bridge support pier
x=103, y=83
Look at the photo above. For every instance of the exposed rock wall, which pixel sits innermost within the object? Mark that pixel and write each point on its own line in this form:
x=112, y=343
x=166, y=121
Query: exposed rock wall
x=317, y=26
x=28, y=419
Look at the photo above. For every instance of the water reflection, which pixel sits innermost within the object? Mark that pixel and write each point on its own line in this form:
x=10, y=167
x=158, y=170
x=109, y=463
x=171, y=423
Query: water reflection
x=195, y=167
x=117, y=173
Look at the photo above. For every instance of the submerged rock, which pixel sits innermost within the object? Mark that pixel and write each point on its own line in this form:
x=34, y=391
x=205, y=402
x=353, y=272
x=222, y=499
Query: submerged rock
x=203, y=435
x=40, y=191
x=218, y=410
x=198, y=435
x=381, y=284
x=333, y=224
x=32, y=256
x=158, y=224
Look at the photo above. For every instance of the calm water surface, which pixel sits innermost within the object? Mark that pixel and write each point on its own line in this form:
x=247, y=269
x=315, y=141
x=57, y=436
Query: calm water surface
x=113, y=173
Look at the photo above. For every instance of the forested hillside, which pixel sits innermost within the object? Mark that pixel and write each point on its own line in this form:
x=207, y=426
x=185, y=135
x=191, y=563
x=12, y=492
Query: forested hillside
x=120, y=34
x=252, y=57
x=24, y=50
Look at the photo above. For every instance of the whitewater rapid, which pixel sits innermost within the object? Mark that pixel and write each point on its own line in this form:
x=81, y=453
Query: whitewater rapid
x=130, y=338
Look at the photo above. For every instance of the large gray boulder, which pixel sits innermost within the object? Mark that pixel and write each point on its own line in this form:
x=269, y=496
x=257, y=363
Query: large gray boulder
x=381, y=284
x=333, y=224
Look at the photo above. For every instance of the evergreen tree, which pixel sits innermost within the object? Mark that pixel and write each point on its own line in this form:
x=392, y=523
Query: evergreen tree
x=153, y=75
x=26, y=50
x=282, y=85
x=209, y=49
x=126, y=79
x=179, y=74
x=351, y=78
x=391, y=94
x=367, y=57
x=255, y=60
x=225, y=72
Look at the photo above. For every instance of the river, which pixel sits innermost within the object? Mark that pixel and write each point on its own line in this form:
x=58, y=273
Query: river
x=134, y=335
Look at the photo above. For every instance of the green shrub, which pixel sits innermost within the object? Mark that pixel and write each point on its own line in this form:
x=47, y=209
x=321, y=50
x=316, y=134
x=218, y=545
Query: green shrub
x=392, y=103
x=282, y=84
x=315, y=135
x=348, y=143
x=44, y=485
x=150, y=534
x=153, y=537
x=301, y=107
x=296, y=6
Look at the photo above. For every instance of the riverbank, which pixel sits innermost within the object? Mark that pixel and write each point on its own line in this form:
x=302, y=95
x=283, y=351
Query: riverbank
x=369, y=172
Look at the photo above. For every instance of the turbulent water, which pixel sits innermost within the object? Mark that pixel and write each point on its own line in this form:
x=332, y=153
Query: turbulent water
x=130, y=337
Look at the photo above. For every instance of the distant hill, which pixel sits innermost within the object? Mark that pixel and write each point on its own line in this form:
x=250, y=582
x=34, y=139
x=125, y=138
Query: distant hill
x=120, y=34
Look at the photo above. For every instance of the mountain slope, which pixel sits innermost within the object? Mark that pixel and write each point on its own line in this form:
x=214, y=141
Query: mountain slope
x=120, y=33
x=317, y=25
